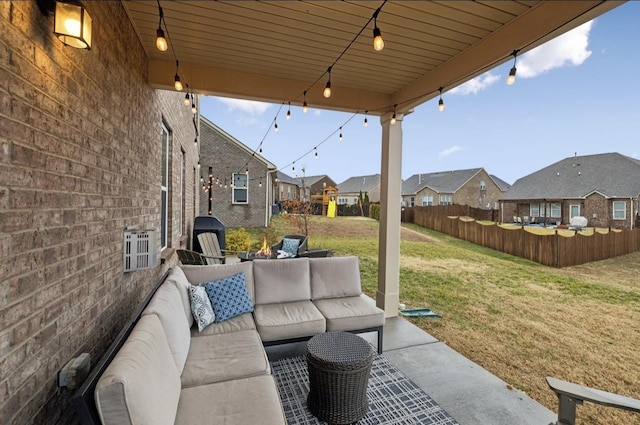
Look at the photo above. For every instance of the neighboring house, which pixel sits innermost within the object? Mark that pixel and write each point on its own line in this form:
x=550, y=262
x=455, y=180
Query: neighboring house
x=242, y=189
x=287, y=188
x=603, y=188
x=314, y=185
x=350, y=189
x=474, y=187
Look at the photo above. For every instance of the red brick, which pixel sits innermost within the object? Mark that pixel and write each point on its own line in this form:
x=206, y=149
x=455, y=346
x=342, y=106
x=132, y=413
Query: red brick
x=13, y=221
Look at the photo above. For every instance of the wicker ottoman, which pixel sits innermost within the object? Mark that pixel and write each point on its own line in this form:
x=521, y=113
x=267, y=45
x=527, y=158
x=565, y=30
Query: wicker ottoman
x=339, y=364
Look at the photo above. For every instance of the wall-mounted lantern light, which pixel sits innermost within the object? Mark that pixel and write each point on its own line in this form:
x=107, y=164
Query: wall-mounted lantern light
x=71, y=22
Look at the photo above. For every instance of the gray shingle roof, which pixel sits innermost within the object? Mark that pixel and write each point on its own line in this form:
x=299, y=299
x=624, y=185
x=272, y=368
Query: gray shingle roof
x=285, y=178
x=502, y=185
x=311, y=180
x=441, y=182
x=359, y=184
x=611, y=174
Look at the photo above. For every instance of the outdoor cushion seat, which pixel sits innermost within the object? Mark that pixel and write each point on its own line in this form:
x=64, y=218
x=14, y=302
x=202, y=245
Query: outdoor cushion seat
x=242, y=401
x=243, y=322
x=348, y=313
x=288, y=320
x=224, y=357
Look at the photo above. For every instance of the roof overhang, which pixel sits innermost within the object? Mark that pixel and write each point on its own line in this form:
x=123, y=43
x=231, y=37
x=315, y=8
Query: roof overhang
x=274, y=50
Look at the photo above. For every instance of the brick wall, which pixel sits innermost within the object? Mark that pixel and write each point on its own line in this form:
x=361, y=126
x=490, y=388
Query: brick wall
x=79, y=160
x=226, y=157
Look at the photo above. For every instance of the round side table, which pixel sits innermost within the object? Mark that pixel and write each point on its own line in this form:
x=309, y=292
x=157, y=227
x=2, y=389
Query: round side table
x=339, y=364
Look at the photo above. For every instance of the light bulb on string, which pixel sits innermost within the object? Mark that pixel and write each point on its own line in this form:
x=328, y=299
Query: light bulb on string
x=260, y=152
x=316, y=153
x=378, y=42
x=393, y=118
x=187, y=100
x=260, y=184
x=340, y=135
x=161, y=41
x=305, y=107
x=275, y=127
x=289, y=112
x=327, y=88
x=440, y=102
x=366, y=121
x=177, y=84
x=512, y=73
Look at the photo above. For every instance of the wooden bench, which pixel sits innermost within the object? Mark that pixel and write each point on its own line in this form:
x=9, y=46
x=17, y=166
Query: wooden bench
x=570, y=394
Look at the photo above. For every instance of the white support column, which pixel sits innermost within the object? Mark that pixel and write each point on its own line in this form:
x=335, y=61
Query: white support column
x=388, y=294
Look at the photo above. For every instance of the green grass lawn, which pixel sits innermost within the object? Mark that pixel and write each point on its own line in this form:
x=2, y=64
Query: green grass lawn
x=520, y=320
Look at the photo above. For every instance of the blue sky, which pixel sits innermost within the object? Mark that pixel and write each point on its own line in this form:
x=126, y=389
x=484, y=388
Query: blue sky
x=577, y=93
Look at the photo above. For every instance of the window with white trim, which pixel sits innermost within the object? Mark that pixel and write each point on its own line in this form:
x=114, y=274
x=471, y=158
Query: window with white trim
x=534, y=210
x=446, y=199
x=240, y=192
x=164, y=188
x=619, y=210
x=412, y=203
x=182, y=189
x=556, y=210
x=427, y=200
x=574, y=211
x=483, y=185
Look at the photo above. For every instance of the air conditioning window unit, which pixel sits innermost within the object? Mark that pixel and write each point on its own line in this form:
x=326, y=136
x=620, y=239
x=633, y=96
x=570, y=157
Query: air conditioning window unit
x=139, y=250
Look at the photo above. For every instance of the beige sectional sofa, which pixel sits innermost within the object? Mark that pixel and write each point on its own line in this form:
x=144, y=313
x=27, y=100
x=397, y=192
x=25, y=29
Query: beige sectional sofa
x=166, y=371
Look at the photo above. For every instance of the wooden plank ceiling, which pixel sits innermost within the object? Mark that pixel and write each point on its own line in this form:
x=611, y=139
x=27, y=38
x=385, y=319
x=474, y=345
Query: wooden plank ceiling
x=275, y=50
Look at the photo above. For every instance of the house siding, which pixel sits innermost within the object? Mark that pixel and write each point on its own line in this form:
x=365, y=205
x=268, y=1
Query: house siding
x=80, y=146
x=227, y=157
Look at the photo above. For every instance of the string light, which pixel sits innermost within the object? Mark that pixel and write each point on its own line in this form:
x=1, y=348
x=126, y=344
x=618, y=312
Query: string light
x=289, y=112
x=512, y=73
x=305, y=107
x=440, y=102
x=340, y=136
x=366, y=121
x=260, y=184
x=275, y=127
x=161, y=41
x=193, y=104
x=177, y=83
x=327, y=89
x=195, y=141
x=260, y=151
x=378, y=42
x=199, y=168
x=186, y=100
x=393, y=118
x=316, y=153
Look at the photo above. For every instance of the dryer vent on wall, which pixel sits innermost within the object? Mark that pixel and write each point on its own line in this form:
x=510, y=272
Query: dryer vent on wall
x=139, y=250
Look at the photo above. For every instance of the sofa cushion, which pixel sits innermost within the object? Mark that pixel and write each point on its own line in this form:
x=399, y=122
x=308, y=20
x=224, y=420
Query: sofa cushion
x=229, y=297
x=167, y=305
x=243, y=322
x=178, y=278
x=279, y=281
x=199, y=274
x=131, y=390
x=350, y=313
x=242, y=401
x=201, y=307
x=334, y=277
x=223, y=357
x=288, y=320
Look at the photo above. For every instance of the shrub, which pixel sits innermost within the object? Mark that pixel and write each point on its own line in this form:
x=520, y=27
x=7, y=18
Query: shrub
x=238, y=240
x=374, y=211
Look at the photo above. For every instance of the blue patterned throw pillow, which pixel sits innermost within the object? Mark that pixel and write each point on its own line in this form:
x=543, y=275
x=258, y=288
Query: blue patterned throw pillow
x=201, y=307
x=229, y=297
x=290, y=246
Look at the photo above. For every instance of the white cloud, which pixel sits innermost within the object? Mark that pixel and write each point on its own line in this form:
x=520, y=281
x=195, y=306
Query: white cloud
x=569, y=48
x=249, y=106
x=449, y=151
x=477, y=84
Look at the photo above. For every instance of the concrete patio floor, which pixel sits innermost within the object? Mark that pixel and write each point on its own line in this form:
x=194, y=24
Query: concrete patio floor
x=469, y=393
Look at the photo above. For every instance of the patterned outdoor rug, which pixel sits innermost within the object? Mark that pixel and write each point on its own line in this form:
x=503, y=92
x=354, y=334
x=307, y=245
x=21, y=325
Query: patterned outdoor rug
x=393, y=398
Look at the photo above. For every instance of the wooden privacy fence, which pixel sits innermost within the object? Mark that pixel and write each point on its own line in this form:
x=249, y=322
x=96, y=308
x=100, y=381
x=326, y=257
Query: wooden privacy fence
x=556, y=249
